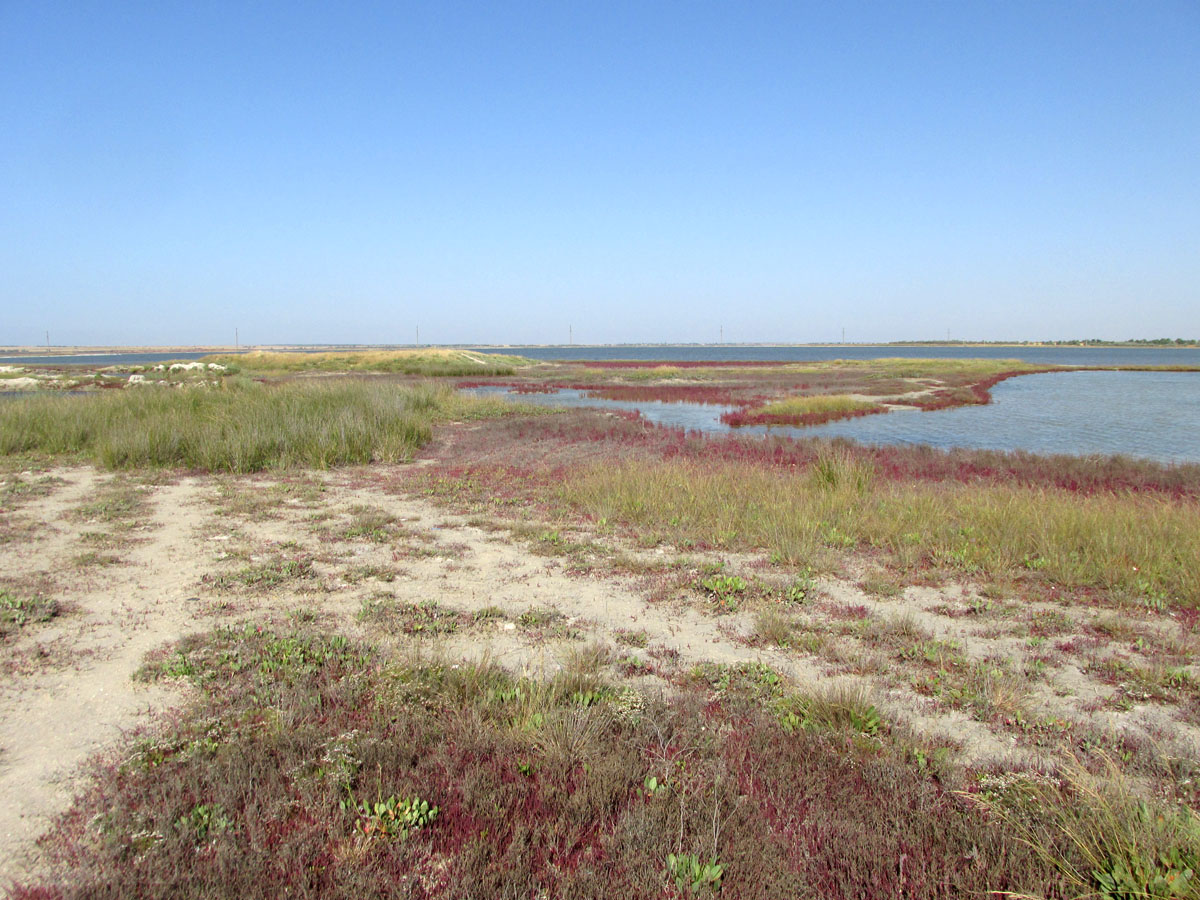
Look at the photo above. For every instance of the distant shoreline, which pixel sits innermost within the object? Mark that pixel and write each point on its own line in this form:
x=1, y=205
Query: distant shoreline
x=106, y=350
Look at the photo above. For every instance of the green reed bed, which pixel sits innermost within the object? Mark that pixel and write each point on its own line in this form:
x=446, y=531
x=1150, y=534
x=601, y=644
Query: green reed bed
x=238, y=427
x=1134, y=547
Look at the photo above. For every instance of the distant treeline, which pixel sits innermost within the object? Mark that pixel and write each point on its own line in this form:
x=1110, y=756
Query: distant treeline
x=1089, y=342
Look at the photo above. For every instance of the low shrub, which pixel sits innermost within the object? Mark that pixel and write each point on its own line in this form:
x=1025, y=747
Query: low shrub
x=310, y=766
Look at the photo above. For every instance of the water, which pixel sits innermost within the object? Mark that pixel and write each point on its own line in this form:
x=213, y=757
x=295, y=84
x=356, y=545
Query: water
x=689, y=416
x=1155, y=415
x=102, y=359
x=1071, y=356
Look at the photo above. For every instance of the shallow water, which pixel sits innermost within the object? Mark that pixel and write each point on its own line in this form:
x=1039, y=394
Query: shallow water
x=102, y=359
x=1067, y=356
x=689, y=416
x=1155, y=415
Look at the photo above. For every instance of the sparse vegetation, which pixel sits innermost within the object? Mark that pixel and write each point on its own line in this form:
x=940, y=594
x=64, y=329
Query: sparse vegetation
x=18, y=610
x=267, y=574
x=16, y=490
x=425, y=618
x=117, y=502
x=774, y=627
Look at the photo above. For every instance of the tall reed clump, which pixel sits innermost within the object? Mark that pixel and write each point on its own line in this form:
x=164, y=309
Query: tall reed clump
x=1139, y=548
x=240, y=427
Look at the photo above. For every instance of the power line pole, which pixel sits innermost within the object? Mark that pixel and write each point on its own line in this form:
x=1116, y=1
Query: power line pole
x=570, y=335
x=236, y=342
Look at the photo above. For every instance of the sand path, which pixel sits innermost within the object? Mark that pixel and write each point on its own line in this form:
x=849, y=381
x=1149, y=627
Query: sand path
x=83, y=698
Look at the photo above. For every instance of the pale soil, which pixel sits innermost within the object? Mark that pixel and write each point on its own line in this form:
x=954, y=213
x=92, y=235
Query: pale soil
x=66, y=691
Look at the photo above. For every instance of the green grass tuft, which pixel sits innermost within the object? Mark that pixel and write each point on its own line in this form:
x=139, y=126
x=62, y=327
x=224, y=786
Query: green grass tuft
x=821, y=404
x=18, y=611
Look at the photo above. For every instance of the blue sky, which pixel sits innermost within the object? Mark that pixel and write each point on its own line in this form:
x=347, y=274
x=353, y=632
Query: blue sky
x=641, y=171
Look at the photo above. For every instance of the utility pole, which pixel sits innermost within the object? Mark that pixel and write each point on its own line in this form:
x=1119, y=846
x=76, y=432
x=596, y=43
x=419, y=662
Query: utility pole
x=570, y=335
x=418, y=335
x=236, y=342
x=47, y=338
x=722, y=339
x=843, y=334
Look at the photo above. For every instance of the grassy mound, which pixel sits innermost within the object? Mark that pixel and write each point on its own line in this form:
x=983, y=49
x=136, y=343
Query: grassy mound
x=429, y=363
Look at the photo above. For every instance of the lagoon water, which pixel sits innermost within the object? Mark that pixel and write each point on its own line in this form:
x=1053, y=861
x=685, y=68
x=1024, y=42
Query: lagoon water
x=1155, y=415
x=101, y=359
x=1061, y=355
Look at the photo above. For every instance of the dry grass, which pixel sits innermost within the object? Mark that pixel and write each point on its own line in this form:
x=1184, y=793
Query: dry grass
x=1121, y=846
x=774, y=627
x=1139, y=549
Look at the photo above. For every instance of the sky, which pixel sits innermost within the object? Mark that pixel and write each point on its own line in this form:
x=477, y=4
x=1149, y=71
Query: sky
x=521, y=172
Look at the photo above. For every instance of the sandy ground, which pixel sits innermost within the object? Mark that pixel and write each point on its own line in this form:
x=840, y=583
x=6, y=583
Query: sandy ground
x=198, y=551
